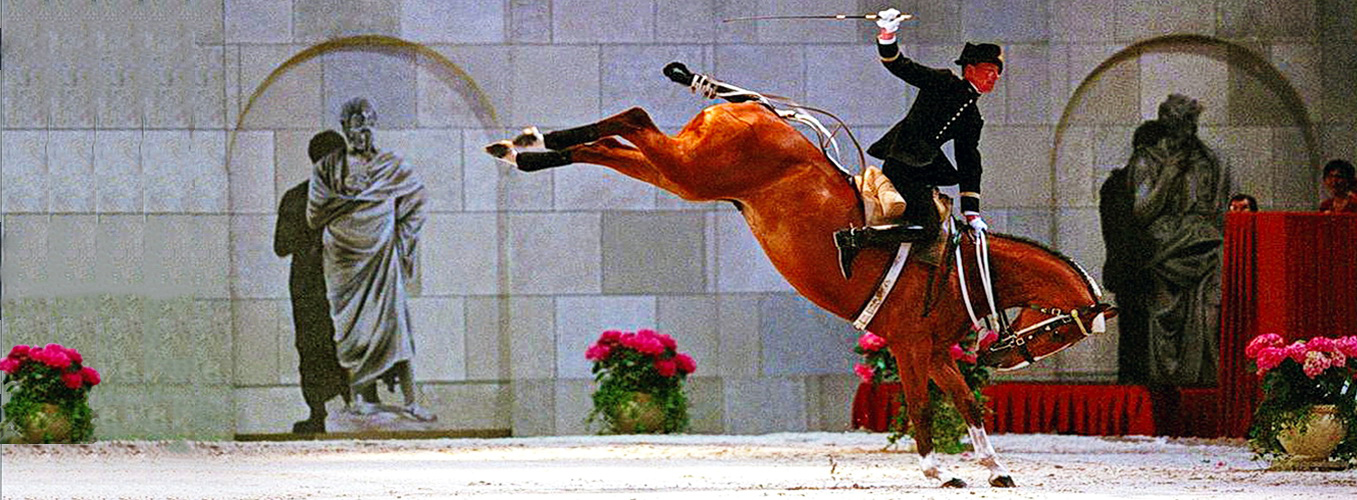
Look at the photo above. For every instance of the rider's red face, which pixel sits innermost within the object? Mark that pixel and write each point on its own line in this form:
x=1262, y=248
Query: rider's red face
x=982, y=75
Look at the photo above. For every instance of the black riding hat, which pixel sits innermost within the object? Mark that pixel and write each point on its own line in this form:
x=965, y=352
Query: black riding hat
x=982, y=53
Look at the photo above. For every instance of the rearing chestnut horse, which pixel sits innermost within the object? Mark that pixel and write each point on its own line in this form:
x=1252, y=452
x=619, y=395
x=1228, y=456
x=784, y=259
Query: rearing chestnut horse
x=794, y=199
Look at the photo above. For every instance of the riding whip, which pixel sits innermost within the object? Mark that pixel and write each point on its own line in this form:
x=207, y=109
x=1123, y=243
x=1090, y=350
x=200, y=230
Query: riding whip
x=839, y=17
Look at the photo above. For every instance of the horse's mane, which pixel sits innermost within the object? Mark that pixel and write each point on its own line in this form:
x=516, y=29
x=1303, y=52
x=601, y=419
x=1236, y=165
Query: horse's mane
x=1088, y=280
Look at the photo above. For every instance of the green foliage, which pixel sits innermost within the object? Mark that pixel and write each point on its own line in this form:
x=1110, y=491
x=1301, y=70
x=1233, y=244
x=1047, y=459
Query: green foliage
x=25, y=409
x=948, y=425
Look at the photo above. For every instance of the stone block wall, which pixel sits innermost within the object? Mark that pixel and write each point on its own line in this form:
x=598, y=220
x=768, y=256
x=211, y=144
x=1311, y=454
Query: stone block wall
x=139, y=181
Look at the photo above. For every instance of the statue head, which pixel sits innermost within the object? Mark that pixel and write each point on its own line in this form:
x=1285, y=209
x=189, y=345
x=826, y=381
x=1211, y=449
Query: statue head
x=358, y=120
x=1179, y=113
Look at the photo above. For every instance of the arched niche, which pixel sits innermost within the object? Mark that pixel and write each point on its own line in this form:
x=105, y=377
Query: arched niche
x=431, y=112
x=1255, y=119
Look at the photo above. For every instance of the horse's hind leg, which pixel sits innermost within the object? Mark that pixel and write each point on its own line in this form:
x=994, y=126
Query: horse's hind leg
x=949, y=379
x=559, y=141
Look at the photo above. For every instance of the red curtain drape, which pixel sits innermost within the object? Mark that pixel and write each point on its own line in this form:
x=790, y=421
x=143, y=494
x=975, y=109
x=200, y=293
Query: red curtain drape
x=1290, y=273
x=1094, y=410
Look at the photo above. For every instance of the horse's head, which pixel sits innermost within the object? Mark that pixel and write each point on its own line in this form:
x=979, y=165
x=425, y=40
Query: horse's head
x=1038, y=333
x=1057, y=302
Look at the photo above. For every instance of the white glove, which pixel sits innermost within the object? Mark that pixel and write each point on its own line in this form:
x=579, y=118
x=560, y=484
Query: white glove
x=889, y=20
x=976, y=223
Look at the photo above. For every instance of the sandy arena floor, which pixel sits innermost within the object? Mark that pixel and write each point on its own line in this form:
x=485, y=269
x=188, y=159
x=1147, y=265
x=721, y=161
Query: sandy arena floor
x=810, y=465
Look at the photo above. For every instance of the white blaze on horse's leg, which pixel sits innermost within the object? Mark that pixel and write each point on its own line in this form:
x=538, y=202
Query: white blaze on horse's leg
x=980, y=441
x=929, y=464
x=1099, y=324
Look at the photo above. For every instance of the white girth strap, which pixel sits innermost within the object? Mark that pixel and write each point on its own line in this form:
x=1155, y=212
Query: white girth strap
x=884, y=290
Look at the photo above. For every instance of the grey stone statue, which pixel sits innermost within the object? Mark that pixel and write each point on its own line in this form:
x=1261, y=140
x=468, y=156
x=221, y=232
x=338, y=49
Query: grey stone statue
x=369, y=203
x=1178, y=192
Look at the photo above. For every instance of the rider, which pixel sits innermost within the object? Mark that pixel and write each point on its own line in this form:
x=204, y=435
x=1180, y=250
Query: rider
x=944, y=110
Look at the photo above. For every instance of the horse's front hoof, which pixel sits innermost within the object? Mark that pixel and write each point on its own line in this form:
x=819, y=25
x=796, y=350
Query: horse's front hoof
x=503, y=151
x=1002, y=482
x=954, y=483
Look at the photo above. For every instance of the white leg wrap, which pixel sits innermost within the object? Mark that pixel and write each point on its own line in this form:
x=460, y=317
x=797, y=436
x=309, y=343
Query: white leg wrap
x=985, y=451
x=930, y=466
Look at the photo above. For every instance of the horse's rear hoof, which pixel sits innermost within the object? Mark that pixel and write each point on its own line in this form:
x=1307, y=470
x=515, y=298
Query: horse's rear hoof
x=954, y=483
x=503, y=151
x=1002, y=482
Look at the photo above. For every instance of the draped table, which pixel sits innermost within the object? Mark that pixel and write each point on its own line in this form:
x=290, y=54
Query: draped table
x=1290, y=273
x=1084, y=409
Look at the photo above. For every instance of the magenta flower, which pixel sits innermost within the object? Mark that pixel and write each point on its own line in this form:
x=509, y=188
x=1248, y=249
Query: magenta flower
x=1322, y=344
x=598, y=352
x=1347, y=346
x=1269, y=358
x=647, y=344
x=1297, y=351
x=90, y=375
x=9, y=365
x=685, y=363
x=1261, y=341
x=1315, y=363
x=667, y=341
x=864, y=372
x=72, y=380
x=871, y=342
x=610, y=337
x=960, y=354
x=55, y=358
x=666, y=367
x=20, y=351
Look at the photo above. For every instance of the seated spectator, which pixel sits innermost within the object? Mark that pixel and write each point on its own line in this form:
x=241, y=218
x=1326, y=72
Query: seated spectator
x=1243, y=203
x=1339, y=181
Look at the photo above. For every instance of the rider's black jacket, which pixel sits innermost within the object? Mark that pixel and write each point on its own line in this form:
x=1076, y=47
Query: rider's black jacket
x=945, y=110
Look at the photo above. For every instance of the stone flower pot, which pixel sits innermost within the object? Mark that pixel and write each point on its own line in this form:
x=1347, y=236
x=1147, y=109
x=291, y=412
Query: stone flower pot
x=640, y=415
x=49, y=424
x=1318, y=439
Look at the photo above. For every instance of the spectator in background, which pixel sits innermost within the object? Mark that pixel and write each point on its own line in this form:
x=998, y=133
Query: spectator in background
x=1339, y=181
x=1243, y=203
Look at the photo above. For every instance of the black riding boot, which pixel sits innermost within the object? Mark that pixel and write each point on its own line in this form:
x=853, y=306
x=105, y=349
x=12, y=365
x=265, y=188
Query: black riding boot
x=850, y=241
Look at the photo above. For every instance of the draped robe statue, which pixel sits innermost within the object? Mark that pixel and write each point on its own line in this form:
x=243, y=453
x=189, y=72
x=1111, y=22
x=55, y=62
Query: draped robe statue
x=371, y=212
x=1180, y=192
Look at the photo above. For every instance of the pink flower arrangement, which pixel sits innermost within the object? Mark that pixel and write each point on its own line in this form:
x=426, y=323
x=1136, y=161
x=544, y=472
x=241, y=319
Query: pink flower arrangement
x=642, y=362
x=1297, y=376
x=49, y=375
x=1315, y=356
x=878, y=366
x=657, y=348
x=25, y=362
x=866, y=373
